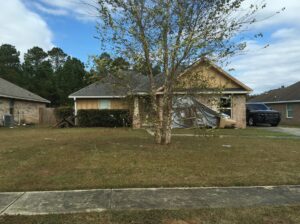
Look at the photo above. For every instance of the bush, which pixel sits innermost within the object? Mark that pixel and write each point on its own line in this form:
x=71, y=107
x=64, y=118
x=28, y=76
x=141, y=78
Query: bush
x=104, y=118
x=63, y=112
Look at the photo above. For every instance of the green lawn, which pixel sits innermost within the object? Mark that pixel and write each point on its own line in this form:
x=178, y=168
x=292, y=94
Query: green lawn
x=248, y=132
x=53, y=159
x=267, y=215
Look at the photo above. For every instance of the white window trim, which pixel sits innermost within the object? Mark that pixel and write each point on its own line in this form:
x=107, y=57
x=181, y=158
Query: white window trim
x=287, y=111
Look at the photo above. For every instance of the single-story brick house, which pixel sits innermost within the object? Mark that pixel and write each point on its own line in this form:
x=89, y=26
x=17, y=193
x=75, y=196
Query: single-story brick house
x=286, y=100
x=223, y=93
x=19, y=102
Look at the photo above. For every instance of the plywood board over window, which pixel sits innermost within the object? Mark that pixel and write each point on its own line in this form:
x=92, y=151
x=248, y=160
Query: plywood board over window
x=87, y=104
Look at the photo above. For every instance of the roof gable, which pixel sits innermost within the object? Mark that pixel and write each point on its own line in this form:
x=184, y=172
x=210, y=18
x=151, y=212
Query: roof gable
x=206, y=75
x=187, y=78
x=10, y=90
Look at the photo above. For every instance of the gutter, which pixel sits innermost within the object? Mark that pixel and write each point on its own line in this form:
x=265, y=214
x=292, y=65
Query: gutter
x=278, y=102
x=95, y=97
x=160, y=93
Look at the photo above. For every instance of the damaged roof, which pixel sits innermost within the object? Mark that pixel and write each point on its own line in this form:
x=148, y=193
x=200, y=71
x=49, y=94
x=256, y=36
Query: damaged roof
x=128, y=82
x=12, y=91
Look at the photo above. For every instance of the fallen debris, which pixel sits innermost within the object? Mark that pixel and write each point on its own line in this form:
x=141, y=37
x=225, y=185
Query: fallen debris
x=226, y=146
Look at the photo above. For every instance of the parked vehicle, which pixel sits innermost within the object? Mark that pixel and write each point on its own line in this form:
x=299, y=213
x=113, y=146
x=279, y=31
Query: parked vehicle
x=259, y=113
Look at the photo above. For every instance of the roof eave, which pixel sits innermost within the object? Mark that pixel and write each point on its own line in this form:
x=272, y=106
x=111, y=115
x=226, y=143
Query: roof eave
x=25, y=99
x=94, y=97
x=276, y=102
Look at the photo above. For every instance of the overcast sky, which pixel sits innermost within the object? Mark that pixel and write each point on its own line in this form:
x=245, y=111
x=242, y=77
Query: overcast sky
x=69, y=24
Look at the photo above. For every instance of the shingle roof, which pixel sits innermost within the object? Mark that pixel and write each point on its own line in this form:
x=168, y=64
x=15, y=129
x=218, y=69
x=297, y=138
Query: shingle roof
x=109, y=87
x=114, y=86
x=10, y=90
x=290, y=93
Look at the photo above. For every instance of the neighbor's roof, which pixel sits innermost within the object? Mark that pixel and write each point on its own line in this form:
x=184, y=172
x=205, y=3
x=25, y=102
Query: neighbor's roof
x=10, y=90
x=290, y=93
x=138, y=83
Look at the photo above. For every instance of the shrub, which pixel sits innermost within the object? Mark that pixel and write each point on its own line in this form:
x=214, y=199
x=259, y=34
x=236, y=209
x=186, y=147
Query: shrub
x=104, y=118
x=63, y=112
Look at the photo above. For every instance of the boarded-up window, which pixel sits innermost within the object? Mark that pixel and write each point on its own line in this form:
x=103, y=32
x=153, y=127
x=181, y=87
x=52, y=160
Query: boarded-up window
x=104, y=104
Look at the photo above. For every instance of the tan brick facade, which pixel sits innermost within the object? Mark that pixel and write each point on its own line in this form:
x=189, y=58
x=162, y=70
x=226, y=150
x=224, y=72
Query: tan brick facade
x=238, y=106
x=282, y=109
x=4, y=109
x=239, y=110
x=23, y=111
x=210, y=79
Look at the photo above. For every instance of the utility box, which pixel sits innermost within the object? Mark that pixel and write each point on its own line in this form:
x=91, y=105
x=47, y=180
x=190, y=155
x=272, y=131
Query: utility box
x=8, y=120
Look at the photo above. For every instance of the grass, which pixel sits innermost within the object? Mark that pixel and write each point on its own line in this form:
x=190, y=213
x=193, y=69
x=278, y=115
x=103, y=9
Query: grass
x=265, y=215
x=290, y=126
x=59, y=159
x=248, y=132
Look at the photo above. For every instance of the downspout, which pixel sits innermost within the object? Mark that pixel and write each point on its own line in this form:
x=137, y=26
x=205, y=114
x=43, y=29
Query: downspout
x=75, y=111
x=75, y=106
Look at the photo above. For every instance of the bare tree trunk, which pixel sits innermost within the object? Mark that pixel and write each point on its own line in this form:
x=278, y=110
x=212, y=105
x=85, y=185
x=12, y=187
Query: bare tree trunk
x=159, y=120
x=167, y=119
x=168, y=129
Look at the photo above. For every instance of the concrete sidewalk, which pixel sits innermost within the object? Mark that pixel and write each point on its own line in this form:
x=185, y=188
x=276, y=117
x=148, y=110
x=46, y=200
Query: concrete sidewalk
x=294, y=134
x=291, y=131
x=56, y=202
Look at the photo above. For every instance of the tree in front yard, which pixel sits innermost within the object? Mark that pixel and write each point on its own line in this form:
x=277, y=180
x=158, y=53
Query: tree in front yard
x=172, y=34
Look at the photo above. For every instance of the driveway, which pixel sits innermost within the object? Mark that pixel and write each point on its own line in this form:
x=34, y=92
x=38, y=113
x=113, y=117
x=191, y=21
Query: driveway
x=292, y=131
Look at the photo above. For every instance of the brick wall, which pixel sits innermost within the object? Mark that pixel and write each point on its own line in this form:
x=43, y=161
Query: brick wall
x=23, y=110
x=282, y=109
x=4, y=109
x=238, y=107
x=239, y=110
x=27, y=111
x=212, y=101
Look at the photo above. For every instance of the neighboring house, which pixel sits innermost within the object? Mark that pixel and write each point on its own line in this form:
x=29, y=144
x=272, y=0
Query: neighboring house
x=221, y=92
x=19, y=102
x=286, y=100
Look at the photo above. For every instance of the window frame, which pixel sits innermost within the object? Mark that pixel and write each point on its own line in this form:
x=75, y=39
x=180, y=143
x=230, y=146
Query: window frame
x=228, y=97
x=289, y=110
x=107, y=104
x=11, y=107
